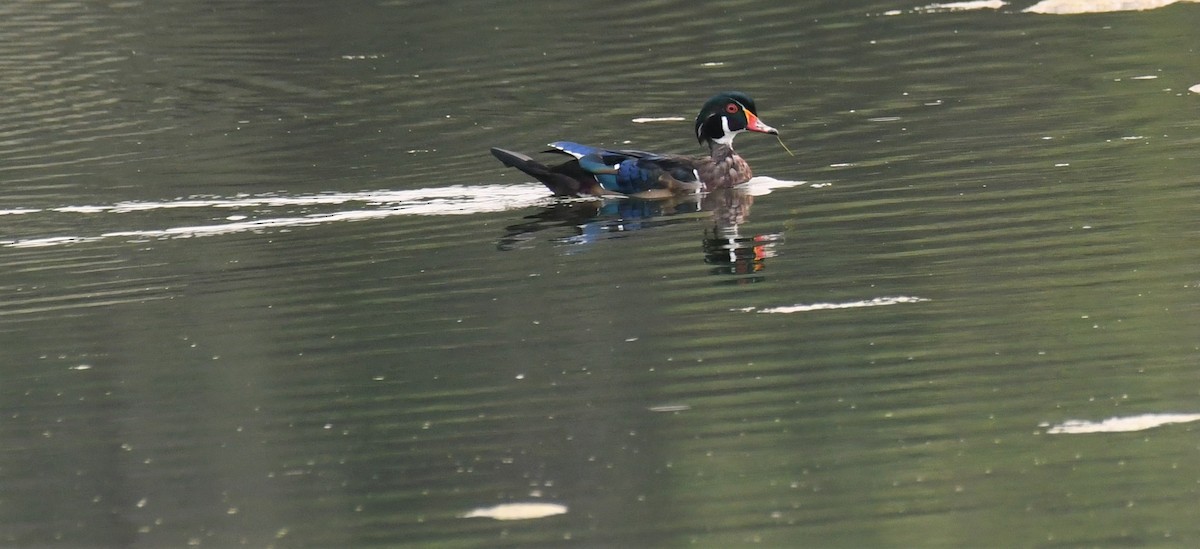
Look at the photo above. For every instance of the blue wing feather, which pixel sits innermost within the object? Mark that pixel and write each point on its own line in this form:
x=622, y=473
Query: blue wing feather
x=574, y=149
x=599, y=163
x=627, y=171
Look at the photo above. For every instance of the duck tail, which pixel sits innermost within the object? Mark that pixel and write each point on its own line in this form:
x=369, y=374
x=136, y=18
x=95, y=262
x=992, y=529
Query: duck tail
x=558, y=183
x=519, y=161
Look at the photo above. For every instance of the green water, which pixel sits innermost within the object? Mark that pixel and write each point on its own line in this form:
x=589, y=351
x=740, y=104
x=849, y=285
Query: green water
x=264, y=286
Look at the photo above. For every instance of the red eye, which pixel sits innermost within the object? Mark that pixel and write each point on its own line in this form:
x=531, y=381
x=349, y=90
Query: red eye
x=731, y=108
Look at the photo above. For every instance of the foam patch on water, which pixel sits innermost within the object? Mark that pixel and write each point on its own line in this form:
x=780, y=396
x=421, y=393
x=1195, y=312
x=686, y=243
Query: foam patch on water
x=1072, y=7
x=760, y=185
x=452, y=200
x=517, y=511
x=952, y=6
x=803, y=308
x=963, y=6
x=1119, y=424
x=645, y=120
x=670, y=408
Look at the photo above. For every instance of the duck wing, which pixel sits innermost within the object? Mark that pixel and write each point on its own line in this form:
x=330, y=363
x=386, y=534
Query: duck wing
x=633, y=172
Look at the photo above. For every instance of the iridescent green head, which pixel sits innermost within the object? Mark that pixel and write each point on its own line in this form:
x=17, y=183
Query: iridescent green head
x=727, y=114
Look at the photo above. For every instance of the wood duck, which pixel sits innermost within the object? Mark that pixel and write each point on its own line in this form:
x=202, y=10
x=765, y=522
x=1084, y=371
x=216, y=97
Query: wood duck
x=605, y=172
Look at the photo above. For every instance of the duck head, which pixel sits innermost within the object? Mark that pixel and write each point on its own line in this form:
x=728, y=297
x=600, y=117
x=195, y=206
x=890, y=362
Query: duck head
x=727, y=114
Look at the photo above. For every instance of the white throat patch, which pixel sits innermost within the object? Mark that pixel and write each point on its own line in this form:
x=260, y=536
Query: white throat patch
x=727, y=138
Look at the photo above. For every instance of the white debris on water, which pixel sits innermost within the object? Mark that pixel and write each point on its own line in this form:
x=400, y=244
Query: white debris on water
x=517, y=511
x=951, y=6
x=964, y=6
x=669, y=408
x=802, y=308
x=1073, y=7
x=1118, y=424
x=645, y=120
x=451, y=200
x=760, y=185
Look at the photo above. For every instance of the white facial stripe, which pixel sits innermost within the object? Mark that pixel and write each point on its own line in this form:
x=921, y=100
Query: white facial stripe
x=727, y=138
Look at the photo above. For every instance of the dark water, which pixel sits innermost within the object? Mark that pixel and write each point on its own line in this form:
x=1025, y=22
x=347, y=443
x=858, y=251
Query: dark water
x=263, y=285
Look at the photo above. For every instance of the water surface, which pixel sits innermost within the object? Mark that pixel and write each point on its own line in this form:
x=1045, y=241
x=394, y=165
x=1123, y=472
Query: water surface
x=264, y=286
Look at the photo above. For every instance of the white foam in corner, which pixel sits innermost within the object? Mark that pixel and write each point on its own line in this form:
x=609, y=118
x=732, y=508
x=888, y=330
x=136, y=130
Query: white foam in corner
x=1119, y=424
x=1072, y=7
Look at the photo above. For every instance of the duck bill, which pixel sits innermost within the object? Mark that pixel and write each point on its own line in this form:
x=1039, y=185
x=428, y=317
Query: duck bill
x=755, y=125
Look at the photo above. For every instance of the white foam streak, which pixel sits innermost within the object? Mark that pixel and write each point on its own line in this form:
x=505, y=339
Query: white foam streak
x=760, y=185
x=1071, y=7
x=802, y=308
x=963, y=6
x=1119, y=424
x=517, y=511
x=246, y=213
x=648, y=119
x=453, y=200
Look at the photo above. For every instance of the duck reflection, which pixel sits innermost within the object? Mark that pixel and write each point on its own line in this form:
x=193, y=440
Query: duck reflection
x=725, y=248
